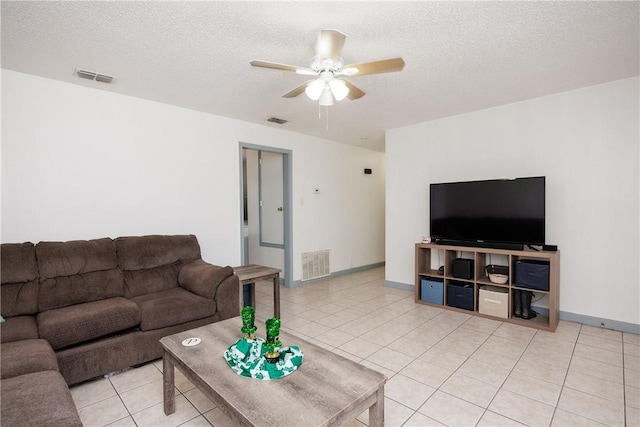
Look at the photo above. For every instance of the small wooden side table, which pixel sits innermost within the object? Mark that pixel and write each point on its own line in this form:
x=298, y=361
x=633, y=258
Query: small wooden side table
x=250, y=274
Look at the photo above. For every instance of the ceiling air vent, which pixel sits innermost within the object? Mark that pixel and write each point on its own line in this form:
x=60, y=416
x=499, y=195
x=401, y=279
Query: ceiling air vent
x=92, y=75
x=104, y=79
x=277, y=120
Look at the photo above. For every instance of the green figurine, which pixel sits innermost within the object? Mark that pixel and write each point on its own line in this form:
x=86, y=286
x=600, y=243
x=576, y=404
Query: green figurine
x=248, y=327
x=272, y=344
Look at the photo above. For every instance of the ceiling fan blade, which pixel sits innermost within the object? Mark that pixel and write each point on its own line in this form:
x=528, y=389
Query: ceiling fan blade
x=283, y=67
x=354, y=91
x=330, y=44
x=375, y=67
x=298, y=90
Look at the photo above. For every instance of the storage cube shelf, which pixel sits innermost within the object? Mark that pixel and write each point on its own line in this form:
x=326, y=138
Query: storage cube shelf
x=479, y=295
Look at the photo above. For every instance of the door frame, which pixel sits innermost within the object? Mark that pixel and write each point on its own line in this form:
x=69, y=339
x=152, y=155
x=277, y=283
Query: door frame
x=287, y=205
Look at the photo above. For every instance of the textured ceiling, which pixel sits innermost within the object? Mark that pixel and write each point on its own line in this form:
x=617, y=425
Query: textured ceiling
x=460, y=56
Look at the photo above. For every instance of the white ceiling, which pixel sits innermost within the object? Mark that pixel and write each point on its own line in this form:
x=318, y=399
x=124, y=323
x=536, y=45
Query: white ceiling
x=460, y=56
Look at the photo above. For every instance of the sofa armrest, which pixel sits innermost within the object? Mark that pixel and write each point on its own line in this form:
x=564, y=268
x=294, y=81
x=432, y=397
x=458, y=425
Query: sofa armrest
x=228, y=298
x=203, y=278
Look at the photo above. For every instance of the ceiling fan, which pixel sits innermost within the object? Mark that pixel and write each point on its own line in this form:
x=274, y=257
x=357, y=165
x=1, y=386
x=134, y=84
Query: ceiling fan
x=328, y=69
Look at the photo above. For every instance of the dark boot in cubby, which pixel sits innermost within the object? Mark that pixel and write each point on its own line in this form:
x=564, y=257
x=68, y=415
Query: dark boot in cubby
x=525, y=298
x=517, y=303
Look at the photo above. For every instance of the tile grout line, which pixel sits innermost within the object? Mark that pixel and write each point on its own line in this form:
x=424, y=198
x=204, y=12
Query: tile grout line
x=484, y=410
x=455, y=370
x=562, y=387
x=123, y=404
x=507, y=376
x=595, y=395
x=415, y=411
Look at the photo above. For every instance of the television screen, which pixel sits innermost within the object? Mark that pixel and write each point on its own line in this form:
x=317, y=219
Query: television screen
x=497, y=211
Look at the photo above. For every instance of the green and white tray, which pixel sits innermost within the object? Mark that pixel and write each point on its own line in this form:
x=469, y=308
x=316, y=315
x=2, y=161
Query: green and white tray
x=246, y=358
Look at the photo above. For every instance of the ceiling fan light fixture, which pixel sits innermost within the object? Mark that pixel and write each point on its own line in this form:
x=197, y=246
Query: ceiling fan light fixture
x=327, y=67
x=326, y=99
x=339, y=89
x=314, y=90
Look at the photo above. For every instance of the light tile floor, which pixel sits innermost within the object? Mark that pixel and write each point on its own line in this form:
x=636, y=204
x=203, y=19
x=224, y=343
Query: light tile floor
x=443, y=367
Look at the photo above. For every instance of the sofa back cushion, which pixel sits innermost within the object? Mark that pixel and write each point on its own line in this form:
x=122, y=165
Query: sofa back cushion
x=152, y=263
x=56, y=259
x=76, y=272
x=19, y=279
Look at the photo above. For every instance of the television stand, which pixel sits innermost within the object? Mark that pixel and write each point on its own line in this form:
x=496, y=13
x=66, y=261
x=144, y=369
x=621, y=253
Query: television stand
x=500, y=298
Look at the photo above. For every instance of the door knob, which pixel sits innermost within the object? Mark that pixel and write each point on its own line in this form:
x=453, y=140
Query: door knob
x=280, y=209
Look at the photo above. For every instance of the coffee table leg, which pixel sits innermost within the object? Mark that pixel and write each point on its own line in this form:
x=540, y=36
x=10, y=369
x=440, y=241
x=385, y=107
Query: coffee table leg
x=376, y=411
x=276, y=296
x=168, y=385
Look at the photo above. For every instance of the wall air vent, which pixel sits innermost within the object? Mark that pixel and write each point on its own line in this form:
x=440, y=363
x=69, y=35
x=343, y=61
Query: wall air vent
x=277, y=120
x=315, y=264
x=92, y=75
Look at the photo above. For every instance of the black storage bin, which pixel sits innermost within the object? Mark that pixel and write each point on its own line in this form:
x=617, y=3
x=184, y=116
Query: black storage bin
x=460, y=295
x=532, y=274
x=462, y=268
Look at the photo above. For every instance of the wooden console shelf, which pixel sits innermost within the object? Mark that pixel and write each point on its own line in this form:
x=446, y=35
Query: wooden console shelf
x=429, y=254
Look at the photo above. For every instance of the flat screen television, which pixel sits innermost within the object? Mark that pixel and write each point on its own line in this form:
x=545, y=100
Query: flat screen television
x=496, y=213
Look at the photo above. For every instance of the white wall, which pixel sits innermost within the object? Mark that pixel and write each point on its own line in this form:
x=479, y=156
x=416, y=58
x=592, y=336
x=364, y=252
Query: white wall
x=80, y=163
x=586, y=144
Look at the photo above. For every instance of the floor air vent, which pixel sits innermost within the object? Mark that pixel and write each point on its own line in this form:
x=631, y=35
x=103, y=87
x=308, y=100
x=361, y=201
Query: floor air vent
x=315, y=264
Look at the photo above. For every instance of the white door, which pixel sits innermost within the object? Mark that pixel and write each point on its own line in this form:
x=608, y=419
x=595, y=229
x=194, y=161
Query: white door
x=271, y=199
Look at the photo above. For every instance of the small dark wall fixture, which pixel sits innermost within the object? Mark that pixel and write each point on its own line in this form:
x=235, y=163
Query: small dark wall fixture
x=367, y=171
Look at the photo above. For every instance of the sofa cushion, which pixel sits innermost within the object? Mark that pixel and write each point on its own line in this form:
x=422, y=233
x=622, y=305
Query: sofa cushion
x=25, y=357
x=57, y=259
x=42, y=398
x=19, y=298
x=151, y=280
x=74, y=324
x=18, y=328
x=77, y=272
x=18, y=262
x=19, y=274
x=152, y=263
x=77, y=289
x=172, y=307
x=203, y=278
x=142, y=252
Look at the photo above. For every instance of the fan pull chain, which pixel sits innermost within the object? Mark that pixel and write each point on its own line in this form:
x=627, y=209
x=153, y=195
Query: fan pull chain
x=326, y=116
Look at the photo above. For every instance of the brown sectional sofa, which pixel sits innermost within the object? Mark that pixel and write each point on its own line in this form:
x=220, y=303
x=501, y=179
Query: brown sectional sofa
x=80, y=309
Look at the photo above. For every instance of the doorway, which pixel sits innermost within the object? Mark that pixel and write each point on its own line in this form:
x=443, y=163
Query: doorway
x=265, y=186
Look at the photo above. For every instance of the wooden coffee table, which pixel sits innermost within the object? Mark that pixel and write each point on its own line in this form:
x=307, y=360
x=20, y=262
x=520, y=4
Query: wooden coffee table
x=326, y=389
